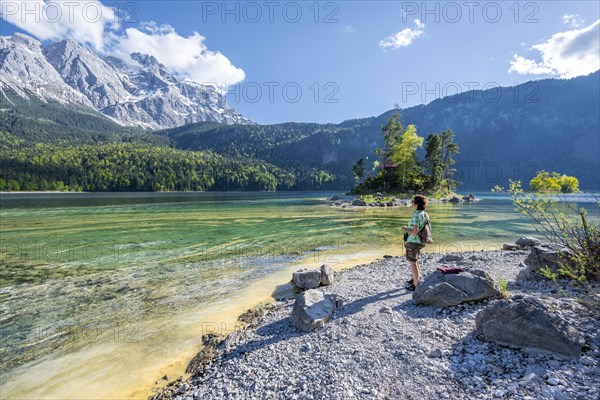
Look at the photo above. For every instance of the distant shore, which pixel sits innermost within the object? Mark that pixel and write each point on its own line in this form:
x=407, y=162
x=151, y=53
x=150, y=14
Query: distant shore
x=43, y=192
x=386, y=200
x=379, y=345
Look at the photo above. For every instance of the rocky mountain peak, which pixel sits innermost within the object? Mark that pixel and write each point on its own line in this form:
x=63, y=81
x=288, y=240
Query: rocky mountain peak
x=146, y=94
x=145, y=59
x=24, y=40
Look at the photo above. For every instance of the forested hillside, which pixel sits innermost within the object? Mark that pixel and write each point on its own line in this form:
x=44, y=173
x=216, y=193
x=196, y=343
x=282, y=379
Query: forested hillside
x=504, y=133
x=139, y=167
x=507, y=133
x=35, y=121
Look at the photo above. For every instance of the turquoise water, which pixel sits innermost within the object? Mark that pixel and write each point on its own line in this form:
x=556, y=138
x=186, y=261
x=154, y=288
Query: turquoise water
x=116, y=282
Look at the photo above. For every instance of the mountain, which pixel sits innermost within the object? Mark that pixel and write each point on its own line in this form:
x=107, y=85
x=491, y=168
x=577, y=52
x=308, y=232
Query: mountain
x=87, y=73
x=513, y=132
x=140, y=93
x=25, y=70
x=64, y=95
x=503, y=133
x=46, y=122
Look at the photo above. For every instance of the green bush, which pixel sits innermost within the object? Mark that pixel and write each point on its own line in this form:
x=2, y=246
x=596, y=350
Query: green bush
x=561, y=224
x=545, y=182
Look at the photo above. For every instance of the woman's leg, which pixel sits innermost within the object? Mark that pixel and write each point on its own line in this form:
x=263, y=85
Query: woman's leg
x=412, y=256
x=415, y=269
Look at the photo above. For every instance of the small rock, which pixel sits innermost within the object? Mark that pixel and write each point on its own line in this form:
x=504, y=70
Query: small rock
x=436, y=353
x=553, y=381
x=587, y=361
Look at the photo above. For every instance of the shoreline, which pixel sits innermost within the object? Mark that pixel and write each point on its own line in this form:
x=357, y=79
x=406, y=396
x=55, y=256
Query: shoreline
x=273, y=356
x=382, y=200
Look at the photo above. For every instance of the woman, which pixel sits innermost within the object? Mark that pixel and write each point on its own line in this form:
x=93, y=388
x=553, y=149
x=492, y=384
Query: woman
x=413, y=242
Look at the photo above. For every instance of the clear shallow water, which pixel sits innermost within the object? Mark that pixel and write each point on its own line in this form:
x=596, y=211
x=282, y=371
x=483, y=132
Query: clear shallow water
x=103, y=294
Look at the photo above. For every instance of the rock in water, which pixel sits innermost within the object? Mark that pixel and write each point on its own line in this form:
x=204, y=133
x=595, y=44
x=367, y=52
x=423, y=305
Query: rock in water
x=525, y=322
x=528, y=241
x=327, y=275
x=312, y=309
x=445, y=290
x=550, y=255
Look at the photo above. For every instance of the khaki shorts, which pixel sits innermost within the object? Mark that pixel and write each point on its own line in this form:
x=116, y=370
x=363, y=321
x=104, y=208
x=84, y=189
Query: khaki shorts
x=413, y=250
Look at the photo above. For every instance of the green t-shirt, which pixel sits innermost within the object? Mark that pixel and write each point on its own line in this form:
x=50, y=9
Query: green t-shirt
x=418, y=218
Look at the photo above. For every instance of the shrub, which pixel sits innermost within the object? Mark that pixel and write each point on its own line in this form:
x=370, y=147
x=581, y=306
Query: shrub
x=561, y=224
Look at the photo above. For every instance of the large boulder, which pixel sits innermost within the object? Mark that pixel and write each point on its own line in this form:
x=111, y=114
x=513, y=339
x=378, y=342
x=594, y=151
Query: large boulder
x=550, y=255
x=455, y=199
x=359, y=202
x=304, y=279
x=446, y=290
x=313, y=309
x=528, y=241
x=525, y=322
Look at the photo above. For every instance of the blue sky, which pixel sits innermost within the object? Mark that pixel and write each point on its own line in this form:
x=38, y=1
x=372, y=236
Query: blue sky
x=349, y=59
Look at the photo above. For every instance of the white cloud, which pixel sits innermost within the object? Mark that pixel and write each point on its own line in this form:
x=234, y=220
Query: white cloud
x=574, y=20
x=348, y=29
x=91, y=23
x=566, y=54
x=84, y=20
x=403, y=38
x=186, y=56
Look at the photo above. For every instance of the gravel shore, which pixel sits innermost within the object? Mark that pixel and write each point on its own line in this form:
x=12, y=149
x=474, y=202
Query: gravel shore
x=380, y=345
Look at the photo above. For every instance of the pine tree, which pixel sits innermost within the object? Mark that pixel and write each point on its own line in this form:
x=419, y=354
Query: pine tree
x=449, y=148
x=392, y=135
x=433, y=161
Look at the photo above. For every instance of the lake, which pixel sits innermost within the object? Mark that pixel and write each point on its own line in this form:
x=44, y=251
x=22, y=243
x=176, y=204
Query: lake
x=102, y=294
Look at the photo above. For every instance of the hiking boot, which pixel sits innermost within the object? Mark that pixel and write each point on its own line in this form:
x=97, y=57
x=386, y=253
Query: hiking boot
x=410, y=287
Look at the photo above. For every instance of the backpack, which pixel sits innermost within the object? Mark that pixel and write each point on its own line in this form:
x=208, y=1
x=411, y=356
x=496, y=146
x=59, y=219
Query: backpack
x=425, y=233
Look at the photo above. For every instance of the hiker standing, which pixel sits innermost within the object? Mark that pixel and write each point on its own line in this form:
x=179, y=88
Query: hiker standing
x=413, y=242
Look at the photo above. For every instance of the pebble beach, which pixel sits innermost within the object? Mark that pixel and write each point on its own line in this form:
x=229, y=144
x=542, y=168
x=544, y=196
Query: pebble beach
x=380, y=345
